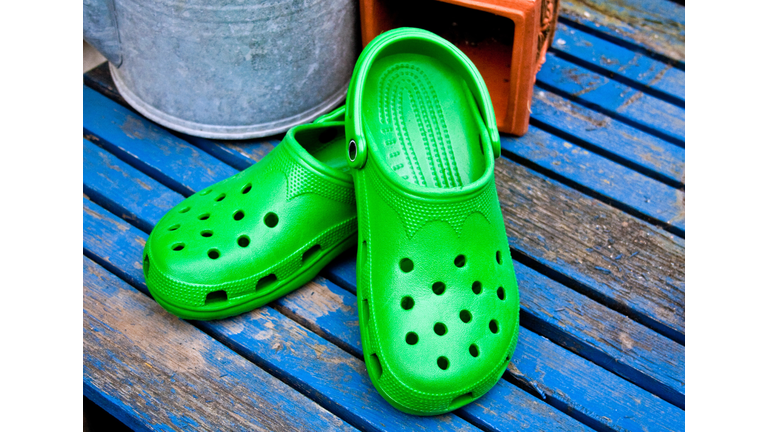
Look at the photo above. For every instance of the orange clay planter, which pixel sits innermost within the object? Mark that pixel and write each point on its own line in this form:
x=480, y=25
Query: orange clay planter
x=506, y=39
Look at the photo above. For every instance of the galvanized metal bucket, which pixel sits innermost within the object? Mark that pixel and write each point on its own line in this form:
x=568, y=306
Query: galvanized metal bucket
x=229, y=69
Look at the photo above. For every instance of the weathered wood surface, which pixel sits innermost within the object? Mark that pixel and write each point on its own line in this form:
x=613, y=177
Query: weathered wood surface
x=589, y=172
x=657, y=27
x=613, y=139
x=629, y=328
x=598, y=250
x=651, y=76
x=277, y=344
x=331, y=312
x=161, y=373
x=651, y=294
x=613, y=98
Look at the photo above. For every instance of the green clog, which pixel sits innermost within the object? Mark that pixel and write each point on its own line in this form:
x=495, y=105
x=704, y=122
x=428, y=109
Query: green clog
x=257, y=235
x=437, y=294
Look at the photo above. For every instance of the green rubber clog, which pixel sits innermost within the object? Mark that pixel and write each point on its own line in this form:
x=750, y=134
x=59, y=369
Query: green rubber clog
x=437, y=294
x=257, y=235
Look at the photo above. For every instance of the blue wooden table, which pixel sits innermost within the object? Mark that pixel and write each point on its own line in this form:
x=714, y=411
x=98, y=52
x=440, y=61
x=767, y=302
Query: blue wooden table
x=594, y=203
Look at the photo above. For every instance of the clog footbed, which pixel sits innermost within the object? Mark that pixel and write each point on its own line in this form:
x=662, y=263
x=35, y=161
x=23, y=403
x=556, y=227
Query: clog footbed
x=258, y=235
x=437, y=294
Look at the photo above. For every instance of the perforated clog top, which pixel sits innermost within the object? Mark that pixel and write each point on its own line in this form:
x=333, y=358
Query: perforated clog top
x=437, y=292
x=258, y=235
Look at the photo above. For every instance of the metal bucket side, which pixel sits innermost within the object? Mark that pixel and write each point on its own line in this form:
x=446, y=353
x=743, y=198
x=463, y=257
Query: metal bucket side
x=235, y=70
x=225, y=132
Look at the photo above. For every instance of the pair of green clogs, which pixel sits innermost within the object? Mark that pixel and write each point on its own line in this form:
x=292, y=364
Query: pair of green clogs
x=408, y=166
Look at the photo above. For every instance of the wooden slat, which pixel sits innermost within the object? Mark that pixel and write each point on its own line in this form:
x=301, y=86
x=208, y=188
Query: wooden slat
x=657, y=26
x=157, y=372
x=629, y=329
x=237, y=154
x=654, y=77
x=610, y=97
x=590, y=172
x=329, y=375
x=598, y=396
x=631, y=147
x=106, y=175
x=147, y=146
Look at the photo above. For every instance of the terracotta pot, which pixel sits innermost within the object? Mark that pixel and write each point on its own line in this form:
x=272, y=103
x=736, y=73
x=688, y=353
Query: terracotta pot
x=506, y=39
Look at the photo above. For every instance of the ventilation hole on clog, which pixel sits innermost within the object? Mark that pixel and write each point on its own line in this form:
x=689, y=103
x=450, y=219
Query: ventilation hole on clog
x=221, y=197
x=474, y=351
x=246, y=189
x=206, y=233
x=406, y=265
x=438, y=288
x=204, y=216
x=374, y=365
x=266, y=281
x=270, y=220
x=173, y=227
x=311, y=252
x=500, y=293
x=407, y=303
x=239, y=215
x=460, y=401
x=477, y=287
x=442, y=362
x=146, y=265
x=498, y=257
x=206, y=192
x=213, y=254
x=327, y=135
x=178, y=246
x=243, y=241
x=411, y=338
x=460, y=261
x=440, y=329
x=216, y=297
x=465, y=316
x=364, y=252
x=494, y=326
x=184, y=210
